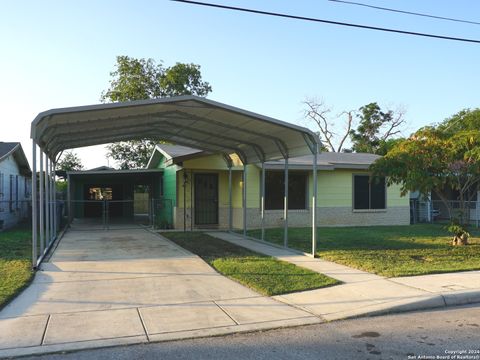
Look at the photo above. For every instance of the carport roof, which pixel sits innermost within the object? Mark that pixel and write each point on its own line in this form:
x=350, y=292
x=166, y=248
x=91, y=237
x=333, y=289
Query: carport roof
x=184, y=120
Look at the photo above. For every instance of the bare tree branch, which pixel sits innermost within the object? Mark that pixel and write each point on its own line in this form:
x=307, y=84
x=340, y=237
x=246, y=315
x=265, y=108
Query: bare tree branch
x=317, y=111
x=347, y=131
x=398, y=119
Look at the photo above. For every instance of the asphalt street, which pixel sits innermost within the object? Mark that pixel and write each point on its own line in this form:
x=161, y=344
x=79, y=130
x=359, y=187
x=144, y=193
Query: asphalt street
x=452, y=333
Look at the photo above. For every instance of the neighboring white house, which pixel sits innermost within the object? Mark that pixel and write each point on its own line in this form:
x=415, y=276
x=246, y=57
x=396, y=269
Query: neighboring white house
x=15, y=185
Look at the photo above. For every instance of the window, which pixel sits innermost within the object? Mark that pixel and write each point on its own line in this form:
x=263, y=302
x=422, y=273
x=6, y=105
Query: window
x=1, y=192
x=368, y=193
x=16, y=192
x=11, y=194
x=100, y=193
x=274, y=190
x=26, y=188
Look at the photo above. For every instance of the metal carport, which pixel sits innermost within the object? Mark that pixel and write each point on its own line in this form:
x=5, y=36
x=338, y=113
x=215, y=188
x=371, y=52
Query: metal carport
x=185, y=120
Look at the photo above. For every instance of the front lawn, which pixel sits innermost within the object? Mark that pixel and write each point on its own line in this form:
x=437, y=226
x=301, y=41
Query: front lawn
x=262, y=273
x=387, y=250
x=15, y=262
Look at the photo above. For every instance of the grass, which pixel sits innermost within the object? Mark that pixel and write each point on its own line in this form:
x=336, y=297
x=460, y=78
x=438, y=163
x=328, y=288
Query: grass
x=262, y=273
x=387, y=250
x=15, y=262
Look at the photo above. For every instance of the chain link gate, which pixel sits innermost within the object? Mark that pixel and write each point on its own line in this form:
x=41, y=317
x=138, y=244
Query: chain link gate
x=121, y=214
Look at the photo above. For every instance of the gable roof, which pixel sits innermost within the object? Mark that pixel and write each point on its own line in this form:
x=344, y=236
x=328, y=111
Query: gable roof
x=173, y=154
x=6, y=148
x=15, y=149
x=325, y=160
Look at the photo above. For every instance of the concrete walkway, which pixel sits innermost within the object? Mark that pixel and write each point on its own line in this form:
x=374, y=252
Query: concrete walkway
x=363, y=293
x=105, y=288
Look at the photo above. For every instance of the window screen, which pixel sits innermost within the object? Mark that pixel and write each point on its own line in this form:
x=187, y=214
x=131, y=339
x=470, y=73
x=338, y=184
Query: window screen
x=274, y=190
x=1, y=186
x=377, y=190
x=1, y=192
x=10, y=198
x=368, y=193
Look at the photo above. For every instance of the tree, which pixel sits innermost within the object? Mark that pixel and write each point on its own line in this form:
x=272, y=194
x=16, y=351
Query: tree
x=465, y=119
x=69, y=162
x=318, y=113
x=132, y=154
x=141, y=79
x=375, y=130
x=433, y=160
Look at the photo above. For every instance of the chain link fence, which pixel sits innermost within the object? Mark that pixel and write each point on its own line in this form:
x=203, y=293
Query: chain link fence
x=436, y=211
x=121, y=214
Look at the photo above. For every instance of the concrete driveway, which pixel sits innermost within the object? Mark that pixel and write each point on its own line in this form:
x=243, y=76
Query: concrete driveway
x=103, y=288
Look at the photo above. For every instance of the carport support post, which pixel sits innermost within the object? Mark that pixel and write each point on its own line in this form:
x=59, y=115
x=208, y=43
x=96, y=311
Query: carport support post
x=50, y=184
x=34, y=205
x=69, y=200
x=47, y=200
x=42, y=205
x=55, y=216
x=314, y=201
x=285, y=206
x=244, y=199
x=230, y=205
x=262, y=200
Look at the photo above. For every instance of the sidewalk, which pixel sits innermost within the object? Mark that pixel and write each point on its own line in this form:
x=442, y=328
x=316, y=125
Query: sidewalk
x=362, y=293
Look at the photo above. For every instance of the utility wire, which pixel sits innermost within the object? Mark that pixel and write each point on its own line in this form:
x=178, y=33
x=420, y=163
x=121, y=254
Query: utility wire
x=406, y=12
x=327, y=21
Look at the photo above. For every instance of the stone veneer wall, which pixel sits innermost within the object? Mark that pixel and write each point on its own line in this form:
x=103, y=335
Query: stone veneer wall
x=326, y=216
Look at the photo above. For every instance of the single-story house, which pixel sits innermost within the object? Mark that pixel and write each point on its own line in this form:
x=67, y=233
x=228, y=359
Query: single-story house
x=196, y=182
x=15, y=185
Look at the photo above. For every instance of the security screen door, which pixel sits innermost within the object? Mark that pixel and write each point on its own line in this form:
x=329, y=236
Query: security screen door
x=206, y=199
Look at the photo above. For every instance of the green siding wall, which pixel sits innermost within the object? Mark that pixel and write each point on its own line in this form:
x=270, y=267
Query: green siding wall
x=170, y=183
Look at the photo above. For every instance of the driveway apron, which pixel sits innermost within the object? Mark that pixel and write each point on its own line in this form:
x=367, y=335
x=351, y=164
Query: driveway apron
x=102, y=288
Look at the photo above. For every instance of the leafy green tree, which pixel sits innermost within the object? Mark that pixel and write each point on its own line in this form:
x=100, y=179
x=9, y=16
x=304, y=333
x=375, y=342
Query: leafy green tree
x=132, y=154
x=465, y=119
x=183, y=79
x=375, y=129
x=435, y=160
x=69, y=162
x=141, y=79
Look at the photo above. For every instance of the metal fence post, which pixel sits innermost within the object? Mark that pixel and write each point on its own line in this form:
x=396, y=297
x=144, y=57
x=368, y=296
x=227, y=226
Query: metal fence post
x=152, y=213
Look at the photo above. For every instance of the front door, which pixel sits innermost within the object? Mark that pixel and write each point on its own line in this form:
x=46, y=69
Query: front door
x=206, y=199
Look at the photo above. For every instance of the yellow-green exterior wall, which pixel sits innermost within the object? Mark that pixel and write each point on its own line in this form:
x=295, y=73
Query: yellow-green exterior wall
x=335, y=187
x=335, y=191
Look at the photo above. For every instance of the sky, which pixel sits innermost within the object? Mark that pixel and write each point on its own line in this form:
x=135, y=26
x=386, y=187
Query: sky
x=60, y=53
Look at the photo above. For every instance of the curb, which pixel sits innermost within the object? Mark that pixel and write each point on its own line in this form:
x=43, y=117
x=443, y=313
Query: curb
x=437, y=301
x=462, y=297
